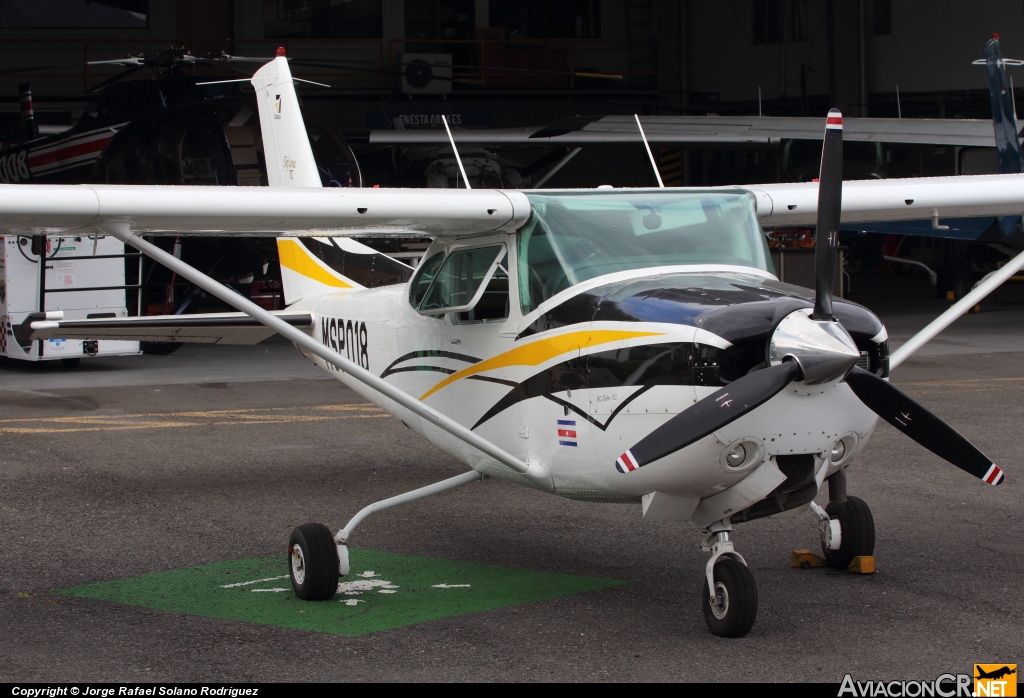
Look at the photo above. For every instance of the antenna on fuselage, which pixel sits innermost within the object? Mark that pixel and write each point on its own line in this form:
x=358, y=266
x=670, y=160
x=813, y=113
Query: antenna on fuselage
x=462, y=169
x=649, y=153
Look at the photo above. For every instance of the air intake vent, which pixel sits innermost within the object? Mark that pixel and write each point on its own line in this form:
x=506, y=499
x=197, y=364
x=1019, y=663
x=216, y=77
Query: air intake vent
x=864, y=361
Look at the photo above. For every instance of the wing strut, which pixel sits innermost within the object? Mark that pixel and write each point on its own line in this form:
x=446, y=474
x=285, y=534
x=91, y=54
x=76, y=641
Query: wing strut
x=534, y=470
x=957, y=310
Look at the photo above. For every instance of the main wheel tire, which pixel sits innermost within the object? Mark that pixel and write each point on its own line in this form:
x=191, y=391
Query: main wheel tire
x=313, y=562
x=735, y=609
x=858, y=531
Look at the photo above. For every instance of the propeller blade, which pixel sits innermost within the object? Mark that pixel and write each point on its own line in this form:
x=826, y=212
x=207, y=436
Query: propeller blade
x=830, y=199
x=903, y=412
x=712, y=413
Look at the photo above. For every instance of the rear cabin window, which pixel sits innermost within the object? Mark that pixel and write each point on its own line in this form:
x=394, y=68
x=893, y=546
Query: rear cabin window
x=423, y=278
x=460, y=277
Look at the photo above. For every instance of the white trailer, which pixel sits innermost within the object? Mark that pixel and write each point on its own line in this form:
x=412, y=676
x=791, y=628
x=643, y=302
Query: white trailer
x=80, y=276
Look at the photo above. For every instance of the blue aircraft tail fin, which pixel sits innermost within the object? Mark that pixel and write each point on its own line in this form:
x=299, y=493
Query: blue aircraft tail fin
x=1004, y=121
x=1007, y=229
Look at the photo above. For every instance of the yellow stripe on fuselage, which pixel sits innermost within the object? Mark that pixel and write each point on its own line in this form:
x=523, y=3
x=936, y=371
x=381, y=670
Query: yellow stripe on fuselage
x=295, y=257
x=538, y=352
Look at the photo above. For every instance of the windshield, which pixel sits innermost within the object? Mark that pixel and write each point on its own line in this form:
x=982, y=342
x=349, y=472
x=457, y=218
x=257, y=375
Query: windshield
x=572, y=237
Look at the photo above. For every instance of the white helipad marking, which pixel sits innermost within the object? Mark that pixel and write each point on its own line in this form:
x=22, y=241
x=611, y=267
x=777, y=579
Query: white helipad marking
x=274, y=590
x=352, y=602
x=364, y=585
x=387, y=591
x=367, y=574
x=451, y=586
x=254, y=581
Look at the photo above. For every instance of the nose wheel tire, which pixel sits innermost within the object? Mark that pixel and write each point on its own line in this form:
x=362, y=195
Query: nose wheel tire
x=734, y=609
x=313, y=562
x=858, y=531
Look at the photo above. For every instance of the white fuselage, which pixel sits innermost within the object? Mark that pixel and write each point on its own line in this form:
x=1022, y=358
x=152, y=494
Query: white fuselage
x=573, y=426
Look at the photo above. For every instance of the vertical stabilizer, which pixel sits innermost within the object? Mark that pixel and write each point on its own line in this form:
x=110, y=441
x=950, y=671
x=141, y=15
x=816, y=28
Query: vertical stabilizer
x=310, y=267
x=290, y=160
x=1004, y=121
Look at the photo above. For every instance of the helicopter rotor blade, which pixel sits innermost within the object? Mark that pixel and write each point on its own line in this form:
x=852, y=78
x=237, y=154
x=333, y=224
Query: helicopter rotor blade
x=906, y=414
x=710, y=414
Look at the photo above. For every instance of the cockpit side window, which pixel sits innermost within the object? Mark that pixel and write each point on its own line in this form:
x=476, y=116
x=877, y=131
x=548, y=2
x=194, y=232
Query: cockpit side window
x=423, y=278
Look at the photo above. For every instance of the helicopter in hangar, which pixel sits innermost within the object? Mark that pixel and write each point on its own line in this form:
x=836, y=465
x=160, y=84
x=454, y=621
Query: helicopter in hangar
x=603, y=345
x=159, y=122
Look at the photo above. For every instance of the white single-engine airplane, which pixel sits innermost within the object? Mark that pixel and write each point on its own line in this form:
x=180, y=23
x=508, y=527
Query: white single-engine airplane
x=608, y=345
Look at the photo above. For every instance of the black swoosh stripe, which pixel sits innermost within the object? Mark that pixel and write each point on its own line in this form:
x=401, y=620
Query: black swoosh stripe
x=615, y=413
x=420, y=367
x=488, y=379
x=562, y=377
x=370, y=270
x=426, y=353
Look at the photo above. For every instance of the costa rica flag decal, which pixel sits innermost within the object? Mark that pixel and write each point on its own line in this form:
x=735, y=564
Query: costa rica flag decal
x=567, y=432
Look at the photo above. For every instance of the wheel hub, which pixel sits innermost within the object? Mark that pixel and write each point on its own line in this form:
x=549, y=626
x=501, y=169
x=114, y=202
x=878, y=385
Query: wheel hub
x=298, y=564
x=720, y=601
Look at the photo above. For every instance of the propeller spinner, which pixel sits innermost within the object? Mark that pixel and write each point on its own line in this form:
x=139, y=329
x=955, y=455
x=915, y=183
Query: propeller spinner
x=811, y=347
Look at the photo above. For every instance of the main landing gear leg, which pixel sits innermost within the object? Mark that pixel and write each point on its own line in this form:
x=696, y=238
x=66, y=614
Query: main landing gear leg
x=316, y=558
x=729, y=597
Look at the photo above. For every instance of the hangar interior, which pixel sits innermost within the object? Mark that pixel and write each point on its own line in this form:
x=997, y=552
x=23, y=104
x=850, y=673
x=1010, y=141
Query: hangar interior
x=389, y=64
x=497, y=63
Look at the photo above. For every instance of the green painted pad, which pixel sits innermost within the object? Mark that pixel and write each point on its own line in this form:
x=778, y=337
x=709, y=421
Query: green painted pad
x=383, y=591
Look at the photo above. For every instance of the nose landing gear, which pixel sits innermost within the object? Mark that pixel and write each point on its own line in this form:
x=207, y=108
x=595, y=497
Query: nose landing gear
x=858, y=532
x=856, y=525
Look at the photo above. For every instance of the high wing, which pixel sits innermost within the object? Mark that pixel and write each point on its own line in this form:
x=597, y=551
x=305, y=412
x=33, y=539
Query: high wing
x=893, y=199
x=252, y=211
x=764, y=130
x=255, y=211
x=208, y=328
x=274, y=212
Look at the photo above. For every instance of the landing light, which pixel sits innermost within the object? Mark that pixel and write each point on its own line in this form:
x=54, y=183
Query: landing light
x=843, y=449
x=838, y=451
x=742, y=454
x=736, y=456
